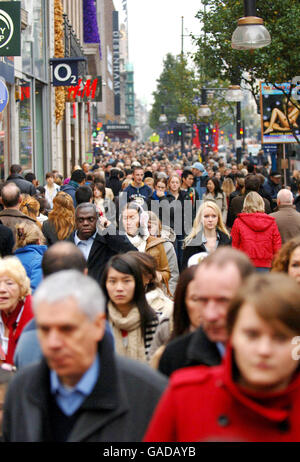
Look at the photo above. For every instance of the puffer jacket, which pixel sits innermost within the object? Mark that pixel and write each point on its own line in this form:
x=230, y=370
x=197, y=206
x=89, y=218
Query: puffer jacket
x=31, y=258
x=257, y=235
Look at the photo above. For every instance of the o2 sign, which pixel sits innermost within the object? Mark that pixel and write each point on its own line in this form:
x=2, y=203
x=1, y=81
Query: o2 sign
x=65, y=71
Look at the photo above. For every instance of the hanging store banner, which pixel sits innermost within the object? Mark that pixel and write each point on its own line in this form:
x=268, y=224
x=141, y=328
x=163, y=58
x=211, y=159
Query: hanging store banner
x=4, y=95
x=86, y=90
x=116, y=63
x=274, y=107
x=10, y=28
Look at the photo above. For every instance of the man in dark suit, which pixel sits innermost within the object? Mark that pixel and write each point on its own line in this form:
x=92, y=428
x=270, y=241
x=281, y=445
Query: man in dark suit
x=97, y=245
x=218, y=277
x=80, y=391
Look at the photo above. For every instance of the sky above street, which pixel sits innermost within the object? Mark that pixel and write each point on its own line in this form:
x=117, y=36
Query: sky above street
x=154, y=28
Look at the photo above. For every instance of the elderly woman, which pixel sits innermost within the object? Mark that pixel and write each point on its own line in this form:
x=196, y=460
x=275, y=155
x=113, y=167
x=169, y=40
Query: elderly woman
x=15, y=305
x=254, y=396
x=256, y=233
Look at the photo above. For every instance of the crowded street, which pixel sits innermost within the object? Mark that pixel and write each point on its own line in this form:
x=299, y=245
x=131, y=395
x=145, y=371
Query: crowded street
x=149, y=251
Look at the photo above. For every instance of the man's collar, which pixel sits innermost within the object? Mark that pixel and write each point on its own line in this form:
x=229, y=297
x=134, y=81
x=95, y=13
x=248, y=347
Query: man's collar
x=85, y=384
x=77, y=240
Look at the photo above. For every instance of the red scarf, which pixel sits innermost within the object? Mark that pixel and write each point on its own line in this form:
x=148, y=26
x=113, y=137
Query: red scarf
x=15, y=329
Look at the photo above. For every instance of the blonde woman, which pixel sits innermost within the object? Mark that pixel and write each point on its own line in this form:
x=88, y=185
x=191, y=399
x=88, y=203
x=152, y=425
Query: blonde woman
x=228, y=188
x=30, y=248
x=207, y=234
x=256, y=233
x=61, y=221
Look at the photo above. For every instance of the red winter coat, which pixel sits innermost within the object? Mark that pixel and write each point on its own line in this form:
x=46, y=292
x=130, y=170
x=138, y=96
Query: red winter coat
x=257, y=235
x=203, y=404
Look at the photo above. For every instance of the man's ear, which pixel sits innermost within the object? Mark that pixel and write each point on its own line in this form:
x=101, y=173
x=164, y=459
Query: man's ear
x=100, y=324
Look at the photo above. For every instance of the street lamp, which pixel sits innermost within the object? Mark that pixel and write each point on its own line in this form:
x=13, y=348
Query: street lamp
x=163, y=118
x=234, y=95
x=250, y=33
x=182, y=120
x=204, y=110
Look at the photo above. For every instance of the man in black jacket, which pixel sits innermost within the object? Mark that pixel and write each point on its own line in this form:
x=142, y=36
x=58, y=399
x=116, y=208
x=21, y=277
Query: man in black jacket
x=80, y=391
x=97, y=245
x=218, y=277
x=26, y=187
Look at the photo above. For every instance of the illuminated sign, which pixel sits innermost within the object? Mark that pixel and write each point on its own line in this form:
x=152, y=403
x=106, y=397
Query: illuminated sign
x=86, y=90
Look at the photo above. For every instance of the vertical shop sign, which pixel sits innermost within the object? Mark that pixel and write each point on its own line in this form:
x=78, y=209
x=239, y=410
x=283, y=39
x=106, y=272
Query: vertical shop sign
x=116, y=63
x=10, y=28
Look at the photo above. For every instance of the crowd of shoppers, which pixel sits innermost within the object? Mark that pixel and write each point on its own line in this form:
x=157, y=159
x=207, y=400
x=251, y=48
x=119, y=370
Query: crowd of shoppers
x=147, y=266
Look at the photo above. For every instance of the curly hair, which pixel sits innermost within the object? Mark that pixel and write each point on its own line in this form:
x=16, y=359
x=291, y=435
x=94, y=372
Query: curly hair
x=282, y=258
x=62, y=217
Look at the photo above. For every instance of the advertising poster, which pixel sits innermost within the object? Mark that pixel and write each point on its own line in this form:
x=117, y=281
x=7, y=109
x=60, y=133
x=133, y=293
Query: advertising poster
x=274, y=107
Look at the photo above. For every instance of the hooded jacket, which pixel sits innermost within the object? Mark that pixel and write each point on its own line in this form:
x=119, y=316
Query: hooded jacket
x=31, y=258
x=205, y=404
x=257, y=235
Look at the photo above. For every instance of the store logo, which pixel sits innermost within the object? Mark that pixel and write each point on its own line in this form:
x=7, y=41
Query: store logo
x=6, y=28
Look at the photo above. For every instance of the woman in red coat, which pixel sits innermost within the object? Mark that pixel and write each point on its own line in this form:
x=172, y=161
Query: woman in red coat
x=15, y=305
x=254, y=396
x=256, y=233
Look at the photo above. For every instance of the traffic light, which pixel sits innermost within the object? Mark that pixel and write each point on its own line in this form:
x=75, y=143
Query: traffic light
x=95, y=134
x=206, y=130
x=241, y=131
x=179, y=132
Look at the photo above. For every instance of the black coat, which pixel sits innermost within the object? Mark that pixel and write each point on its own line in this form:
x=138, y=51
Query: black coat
x=193, y=349
x=104, y=247
x=25, y=186
x=6, y=240
x=191, y=250
x=119, y=408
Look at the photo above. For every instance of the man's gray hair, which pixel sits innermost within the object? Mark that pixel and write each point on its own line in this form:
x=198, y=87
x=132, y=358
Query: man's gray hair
x=285, y=197
x=87, y=205
x=71, y=284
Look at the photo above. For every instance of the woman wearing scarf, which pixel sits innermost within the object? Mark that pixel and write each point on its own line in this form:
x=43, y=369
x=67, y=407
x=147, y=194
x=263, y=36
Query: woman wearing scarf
x=132, y=320
x=15, y=305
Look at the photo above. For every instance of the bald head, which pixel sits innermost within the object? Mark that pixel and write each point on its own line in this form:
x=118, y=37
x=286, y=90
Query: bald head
x=63, y=255
x=285, y=197
x=11, y=195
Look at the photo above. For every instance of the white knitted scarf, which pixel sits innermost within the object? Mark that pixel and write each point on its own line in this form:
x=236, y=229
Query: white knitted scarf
x=127, y=333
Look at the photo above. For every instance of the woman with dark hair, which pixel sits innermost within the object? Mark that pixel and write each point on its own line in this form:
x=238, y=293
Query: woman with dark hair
x=132, y=320
x=254, y=395
x=162, y=305
x=61, y=220
x=114, y=182
x=186, y=314
x=216, y=194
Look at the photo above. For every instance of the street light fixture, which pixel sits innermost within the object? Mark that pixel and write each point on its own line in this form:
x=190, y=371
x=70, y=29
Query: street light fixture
x=163, y=118
x=234, y=95
x=204, y=110
x=250, y=33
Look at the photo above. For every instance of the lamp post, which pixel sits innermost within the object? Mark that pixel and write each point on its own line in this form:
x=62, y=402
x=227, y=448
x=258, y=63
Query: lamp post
x=234, y=94
x=204, y=111
x=250, y=33
x=181, y=120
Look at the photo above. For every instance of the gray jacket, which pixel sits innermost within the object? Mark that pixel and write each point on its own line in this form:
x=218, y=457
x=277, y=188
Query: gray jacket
x=119, y=408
